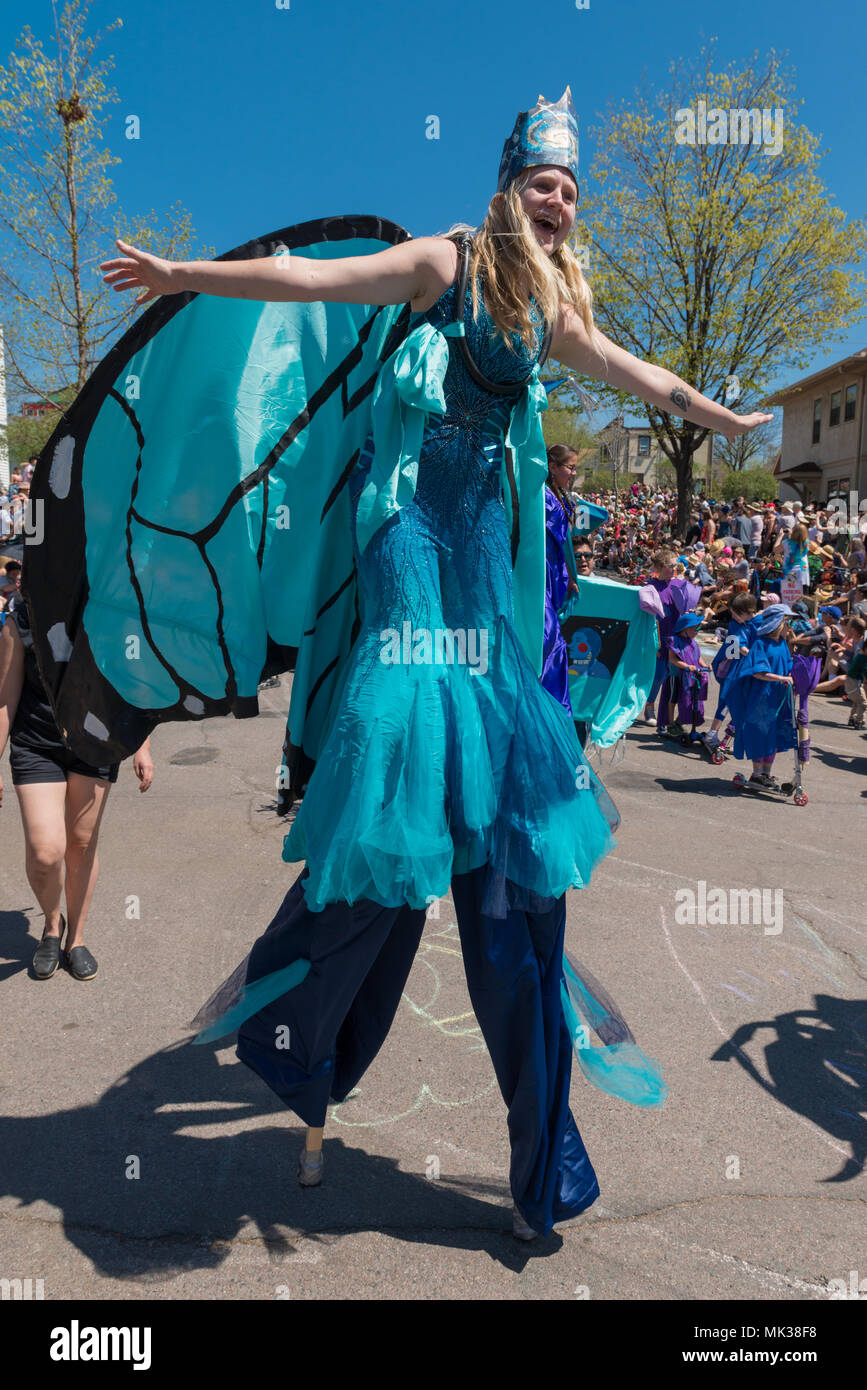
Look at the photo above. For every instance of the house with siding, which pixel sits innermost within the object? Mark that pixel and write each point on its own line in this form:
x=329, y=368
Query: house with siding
x=641, y=460
x=823, y=447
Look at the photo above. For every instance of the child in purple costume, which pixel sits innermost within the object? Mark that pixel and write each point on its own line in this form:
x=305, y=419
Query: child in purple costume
x=687, y=680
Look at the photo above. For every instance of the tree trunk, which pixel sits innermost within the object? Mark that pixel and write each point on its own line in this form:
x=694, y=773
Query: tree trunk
x=683, y=467
x=75, y=255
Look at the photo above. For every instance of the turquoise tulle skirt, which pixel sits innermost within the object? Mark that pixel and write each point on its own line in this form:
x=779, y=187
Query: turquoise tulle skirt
x=434, y=769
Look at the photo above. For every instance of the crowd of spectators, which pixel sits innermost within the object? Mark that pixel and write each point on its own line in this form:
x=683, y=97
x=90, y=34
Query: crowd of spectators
x=772, y=551
x=13, y=502
x=13, y=505
x=755, y=547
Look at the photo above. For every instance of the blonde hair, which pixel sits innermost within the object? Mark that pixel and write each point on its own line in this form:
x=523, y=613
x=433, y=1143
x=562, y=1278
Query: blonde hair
x=514, y=268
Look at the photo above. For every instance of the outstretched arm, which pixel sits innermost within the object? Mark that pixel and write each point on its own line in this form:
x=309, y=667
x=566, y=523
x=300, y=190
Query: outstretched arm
x=416, y=271
x=572, y=346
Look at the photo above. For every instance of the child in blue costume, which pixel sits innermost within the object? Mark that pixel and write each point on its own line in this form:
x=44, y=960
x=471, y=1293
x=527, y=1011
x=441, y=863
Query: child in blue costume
x=434, y=771
x=734, y=646
x=687, y=671
x=760, y=695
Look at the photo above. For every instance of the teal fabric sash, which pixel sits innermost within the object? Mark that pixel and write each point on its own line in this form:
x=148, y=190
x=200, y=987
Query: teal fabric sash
x=610, y=700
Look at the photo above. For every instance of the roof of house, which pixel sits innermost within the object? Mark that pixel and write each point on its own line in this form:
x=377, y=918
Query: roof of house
x=844, y=367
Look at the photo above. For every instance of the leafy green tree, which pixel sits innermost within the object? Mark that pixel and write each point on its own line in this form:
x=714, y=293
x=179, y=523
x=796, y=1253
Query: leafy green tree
x=754, y=484
x=562, y=424
x=27, y=435
x=565, y=422
x=597, y=480
x=725, y=262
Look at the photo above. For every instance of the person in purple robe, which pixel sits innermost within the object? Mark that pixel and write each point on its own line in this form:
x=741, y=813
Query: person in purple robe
x=687, y=677
x=677, y=596
x=559, y=578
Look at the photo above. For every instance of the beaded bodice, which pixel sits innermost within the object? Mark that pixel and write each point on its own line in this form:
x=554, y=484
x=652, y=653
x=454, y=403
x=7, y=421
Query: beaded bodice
x=464, y=446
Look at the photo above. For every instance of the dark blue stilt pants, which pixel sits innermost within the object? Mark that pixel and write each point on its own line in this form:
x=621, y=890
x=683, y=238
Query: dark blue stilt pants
x=339, y=1016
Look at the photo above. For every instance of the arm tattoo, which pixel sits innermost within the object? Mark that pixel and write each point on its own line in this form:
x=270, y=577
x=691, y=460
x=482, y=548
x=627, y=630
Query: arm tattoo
x=680, y=398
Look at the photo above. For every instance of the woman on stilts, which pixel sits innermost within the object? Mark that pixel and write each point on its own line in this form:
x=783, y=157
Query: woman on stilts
x=436, y=772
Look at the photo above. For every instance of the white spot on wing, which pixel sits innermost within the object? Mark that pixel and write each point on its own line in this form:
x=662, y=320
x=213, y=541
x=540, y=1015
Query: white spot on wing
x=61, y=647
x=194, y=705
x=60, y=475
x=95, y=726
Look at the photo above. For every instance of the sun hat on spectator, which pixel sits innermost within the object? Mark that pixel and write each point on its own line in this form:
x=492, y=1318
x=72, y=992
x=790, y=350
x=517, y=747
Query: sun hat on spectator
x=687, y=620
x=772, y=616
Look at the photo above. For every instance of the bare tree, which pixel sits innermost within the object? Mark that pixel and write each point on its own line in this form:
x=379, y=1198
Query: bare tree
x=746, y=449
x=58, y=212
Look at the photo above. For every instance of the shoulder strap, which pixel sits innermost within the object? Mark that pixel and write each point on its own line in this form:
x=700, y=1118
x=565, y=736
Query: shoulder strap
x=499, y=388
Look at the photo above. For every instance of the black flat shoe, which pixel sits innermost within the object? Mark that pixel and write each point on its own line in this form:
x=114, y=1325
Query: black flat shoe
x=80, y=963
x=46, y=957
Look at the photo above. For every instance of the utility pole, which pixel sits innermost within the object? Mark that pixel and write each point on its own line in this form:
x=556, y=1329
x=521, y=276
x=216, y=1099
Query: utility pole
x=618, y=433
x=615, y=451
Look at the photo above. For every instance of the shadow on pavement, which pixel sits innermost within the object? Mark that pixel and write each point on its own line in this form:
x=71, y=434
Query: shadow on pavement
x=718, y=785
x=195, y=1191
x=817, y=1063
x=17, y=946
x=856, y=761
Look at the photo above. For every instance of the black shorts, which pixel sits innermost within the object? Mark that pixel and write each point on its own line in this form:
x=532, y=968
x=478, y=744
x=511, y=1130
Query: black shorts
x=30, y=765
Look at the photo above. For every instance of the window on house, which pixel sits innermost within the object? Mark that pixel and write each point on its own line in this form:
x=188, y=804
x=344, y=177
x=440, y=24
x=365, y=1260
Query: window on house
x=817, y=419
x=851, y=393
x=839, y=490
x=643, y=445
x=834, y=418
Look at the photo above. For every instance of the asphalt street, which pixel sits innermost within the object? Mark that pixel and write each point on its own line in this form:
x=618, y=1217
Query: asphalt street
x=133, y=1165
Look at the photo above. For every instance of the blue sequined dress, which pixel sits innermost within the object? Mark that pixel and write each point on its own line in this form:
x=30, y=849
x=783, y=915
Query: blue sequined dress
x=435, y=766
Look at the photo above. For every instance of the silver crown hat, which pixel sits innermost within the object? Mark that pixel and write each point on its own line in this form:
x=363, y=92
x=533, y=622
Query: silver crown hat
x=547, y=134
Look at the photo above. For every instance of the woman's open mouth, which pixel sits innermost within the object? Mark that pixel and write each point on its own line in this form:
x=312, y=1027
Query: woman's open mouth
x=547, y=220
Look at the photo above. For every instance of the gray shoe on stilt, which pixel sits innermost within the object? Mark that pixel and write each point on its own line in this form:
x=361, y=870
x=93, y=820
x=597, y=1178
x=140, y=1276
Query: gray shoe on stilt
x=520, y=1229
x=310, y=1167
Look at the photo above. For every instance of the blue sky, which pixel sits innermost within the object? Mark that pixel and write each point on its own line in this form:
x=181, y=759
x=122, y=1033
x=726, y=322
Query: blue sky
x=255, y=117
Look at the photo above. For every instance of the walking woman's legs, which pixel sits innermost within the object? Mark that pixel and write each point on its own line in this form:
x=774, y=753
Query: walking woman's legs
x=85, y=804
x=513, y=970
x=42, y=817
